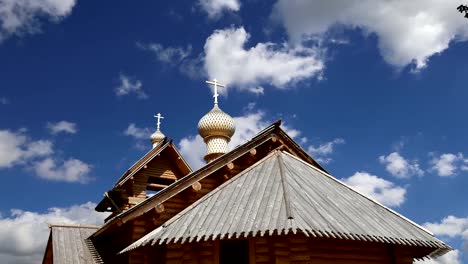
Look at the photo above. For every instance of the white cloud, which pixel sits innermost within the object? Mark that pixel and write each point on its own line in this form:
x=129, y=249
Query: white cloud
x=448, y=164
x=193, y=148
x=17, y=148
x=137, y=132
x=399, y=167
x=19, y=17
x=227, y=59
x=324, y=150
x=409, y=32
x=71, y=170
x=259, y=90
x=169, y=55
x=23, y=234
x=62, y=126
x=449, y=227
x=128, y=86
x=452, y=257
x=214, y=8
x=384, y=191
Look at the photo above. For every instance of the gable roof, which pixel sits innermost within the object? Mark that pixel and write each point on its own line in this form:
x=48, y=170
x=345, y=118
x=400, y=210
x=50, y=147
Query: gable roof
x=282, y=194
x=114, y=194
x=272, y=131
x=70, y=244
x=149, y=156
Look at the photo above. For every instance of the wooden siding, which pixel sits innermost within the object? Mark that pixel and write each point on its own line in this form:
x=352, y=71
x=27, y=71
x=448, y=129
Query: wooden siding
x=293, y=249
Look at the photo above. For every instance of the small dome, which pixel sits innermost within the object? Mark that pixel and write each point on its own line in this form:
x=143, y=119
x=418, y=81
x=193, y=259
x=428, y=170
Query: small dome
x=157, y=136
x=216, y=123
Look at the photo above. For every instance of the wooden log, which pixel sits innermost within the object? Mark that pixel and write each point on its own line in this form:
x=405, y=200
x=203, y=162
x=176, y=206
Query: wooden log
x=253, y=152
x=196, y=186
x=159, y=208
x=155, y=186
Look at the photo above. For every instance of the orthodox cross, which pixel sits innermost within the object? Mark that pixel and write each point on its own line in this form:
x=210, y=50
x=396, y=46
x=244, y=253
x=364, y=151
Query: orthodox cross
x=159, y=117
x=216, y=84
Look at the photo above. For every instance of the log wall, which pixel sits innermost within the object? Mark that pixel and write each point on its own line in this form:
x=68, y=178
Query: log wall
x=291, y=249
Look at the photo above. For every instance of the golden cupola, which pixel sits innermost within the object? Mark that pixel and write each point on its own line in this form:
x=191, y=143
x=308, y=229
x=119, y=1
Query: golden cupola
x=216, y=128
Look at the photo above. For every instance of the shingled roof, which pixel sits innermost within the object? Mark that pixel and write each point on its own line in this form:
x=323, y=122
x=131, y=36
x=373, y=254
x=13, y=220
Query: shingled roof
x=70, y=244
x=282, y=194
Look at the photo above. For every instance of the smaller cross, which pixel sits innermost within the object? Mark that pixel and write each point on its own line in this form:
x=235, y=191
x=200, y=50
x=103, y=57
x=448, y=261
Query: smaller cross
x=159, y=117
x=216, y=84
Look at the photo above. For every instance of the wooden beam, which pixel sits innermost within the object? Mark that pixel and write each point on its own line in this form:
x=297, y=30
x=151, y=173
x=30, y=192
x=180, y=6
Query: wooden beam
x=155, y=186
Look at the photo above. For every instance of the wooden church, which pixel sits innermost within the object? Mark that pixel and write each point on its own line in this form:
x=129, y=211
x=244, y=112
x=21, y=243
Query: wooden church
x=265, y=201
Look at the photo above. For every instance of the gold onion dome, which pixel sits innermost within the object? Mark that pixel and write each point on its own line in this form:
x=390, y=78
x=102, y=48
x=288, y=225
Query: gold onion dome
x=216, y=123
x=157, y=137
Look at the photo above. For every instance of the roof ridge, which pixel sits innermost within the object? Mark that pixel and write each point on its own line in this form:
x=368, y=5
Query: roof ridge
x=73, y=225
x=365, y=196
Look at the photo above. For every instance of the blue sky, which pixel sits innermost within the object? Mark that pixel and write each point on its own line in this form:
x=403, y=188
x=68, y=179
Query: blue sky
x=375, y=91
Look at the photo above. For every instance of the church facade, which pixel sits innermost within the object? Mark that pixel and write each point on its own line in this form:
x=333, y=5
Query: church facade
x=265, y=201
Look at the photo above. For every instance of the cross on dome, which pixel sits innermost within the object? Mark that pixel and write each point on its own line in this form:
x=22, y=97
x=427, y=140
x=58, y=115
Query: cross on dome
x=216, y=84
x=159, y=117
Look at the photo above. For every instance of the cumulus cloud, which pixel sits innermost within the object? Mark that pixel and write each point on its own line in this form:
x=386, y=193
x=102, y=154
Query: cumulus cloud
x=169, y=55
x=193, y=148
x=141, y=135
x=227, y=59
x=17, y=148
x=214, y=8
x=23, y=234
x=449, y=164
x=19, y=17
x=324, y=150
x=452, y=257
x=449, y=227
x=129, y=86
x=71, y=170
x=408, y=32
x=399, y=167
x=62, y=126
x=381, y=190
x=137, y=132
x=259, y=90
